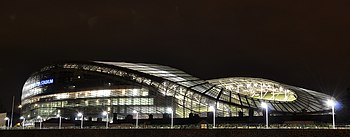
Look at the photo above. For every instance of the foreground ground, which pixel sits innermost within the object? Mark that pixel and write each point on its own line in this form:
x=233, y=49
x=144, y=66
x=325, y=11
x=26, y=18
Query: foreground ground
x=176, y=133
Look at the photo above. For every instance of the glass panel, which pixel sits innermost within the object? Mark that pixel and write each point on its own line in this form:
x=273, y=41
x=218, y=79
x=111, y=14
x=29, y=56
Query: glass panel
x=251, y=102
x=244, y=101
x=235, y=98
x=214, y=92
x=202, y=88
x=282, y=107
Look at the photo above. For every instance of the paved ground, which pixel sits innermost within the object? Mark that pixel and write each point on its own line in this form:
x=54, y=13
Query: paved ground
x=176, y=133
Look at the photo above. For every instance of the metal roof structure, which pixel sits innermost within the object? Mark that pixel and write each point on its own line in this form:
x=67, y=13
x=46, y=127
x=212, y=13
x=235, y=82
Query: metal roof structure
x=242, y=91
x=192, y=94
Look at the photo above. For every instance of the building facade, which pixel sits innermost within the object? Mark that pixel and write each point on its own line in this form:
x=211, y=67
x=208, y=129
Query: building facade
x=3, y=120
x=122, y=88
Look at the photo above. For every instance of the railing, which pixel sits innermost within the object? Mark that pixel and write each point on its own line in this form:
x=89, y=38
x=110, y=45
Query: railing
x=280, y=126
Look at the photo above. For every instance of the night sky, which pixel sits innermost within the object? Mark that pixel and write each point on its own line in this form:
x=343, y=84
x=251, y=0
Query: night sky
x=296, y=42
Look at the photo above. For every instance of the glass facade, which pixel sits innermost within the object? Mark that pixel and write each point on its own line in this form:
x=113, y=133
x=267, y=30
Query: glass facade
x=120, y=88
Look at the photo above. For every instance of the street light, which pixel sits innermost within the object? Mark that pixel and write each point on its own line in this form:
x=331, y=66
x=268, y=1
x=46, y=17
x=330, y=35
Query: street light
x=8, y=121
x=23, y=122
x=265, y=106
x=82, y=119
x=170, y=110
x=137, y=118
x=332, y=103
x=40, y=122
x=59, y=121
x=212, y=108
x=105, y=113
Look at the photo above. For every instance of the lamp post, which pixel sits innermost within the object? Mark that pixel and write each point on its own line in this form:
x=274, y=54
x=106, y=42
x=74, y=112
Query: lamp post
x=170, y=110
x=7, y=119
x=105, y=113
x=20, y=111
x=40, y=122
x=59, y=121
x=265, y=106
x=23, y=122
x=82, y=119
x=137, y=118
x=332, y=103
x=212, y=108
x=20, y=108
x=13, y=102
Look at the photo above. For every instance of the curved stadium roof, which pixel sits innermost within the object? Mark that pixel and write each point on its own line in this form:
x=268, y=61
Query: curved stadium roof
x=296, y=99
x=237, y=91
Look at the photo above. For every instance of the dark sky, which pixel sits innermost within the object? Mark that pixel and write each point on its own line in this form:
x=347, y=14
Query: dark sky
x=297, y=42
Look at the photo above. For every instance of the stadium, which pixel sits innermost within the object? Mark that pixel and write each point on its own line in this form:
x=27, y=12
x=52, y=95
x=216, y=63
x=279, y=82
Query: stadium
x=121, y=88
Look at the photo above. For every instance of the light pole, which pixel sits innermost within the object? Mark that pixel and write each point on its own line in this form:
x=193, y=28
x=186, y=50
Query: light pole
x=59, y=121
x=212, y=108
x=40, y=122
x=7, y=119
x=265, y=106
x=20, y=108
x=82, y=119
x=105, y=113
x=23, y=122
x=13, y=102
x=332, y=103
x=170, y=110
x=137, y=118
